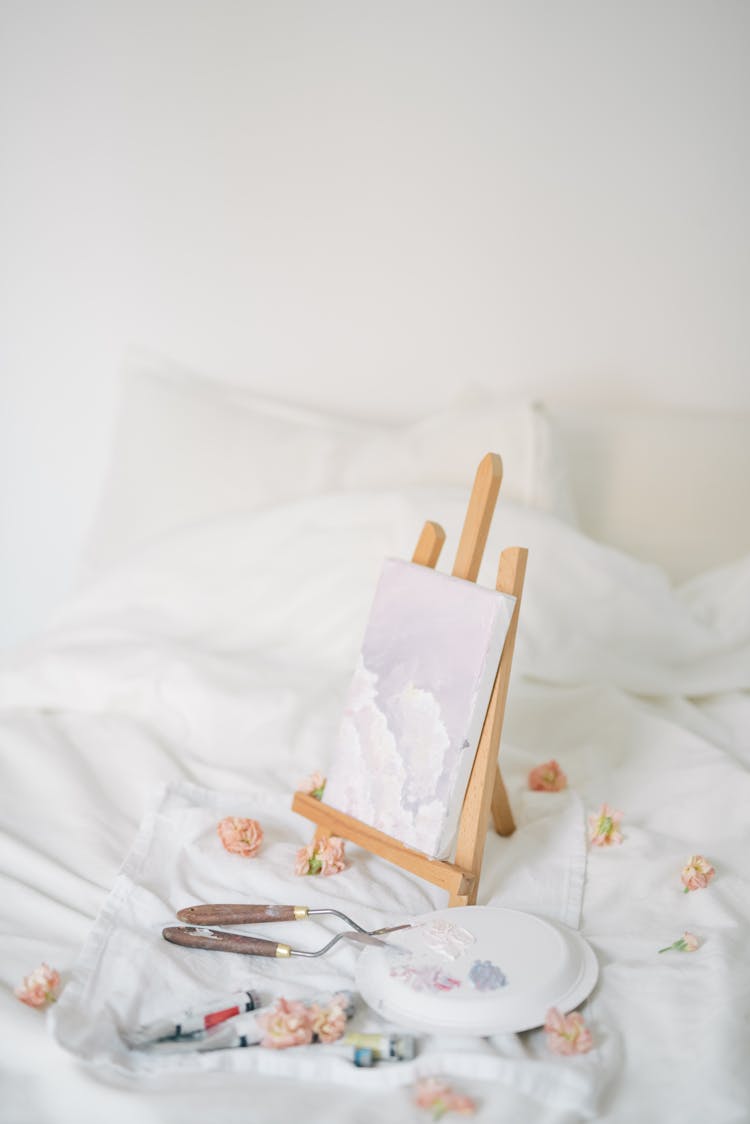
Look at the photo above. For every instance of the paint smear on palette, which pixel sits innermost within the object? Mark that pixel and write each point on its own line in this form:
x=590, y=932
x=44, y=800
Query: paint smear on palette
x=445, y=938
x=424, y=977
x=486, y=976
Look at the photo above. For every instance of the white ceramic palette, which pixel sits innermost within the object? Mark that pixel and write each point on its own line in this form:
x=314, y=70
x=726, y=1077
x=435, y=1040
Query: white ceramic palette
x=477, y=970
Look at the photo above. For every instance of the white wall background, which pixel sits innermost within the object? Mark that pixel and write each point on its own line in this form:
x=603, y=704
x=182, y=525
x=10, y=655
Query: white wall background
x=362, y=205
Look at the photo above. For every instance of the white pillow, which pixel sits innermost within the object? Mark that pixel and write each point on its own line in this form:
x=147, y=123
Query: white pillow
x=446, y=447
x=668, y=486
x=188, y=448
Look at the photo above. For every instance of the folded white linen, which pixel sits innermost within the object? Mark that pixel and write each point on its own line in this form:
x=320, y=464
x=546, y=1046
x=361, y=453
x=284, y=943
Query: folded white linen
x=127, y=974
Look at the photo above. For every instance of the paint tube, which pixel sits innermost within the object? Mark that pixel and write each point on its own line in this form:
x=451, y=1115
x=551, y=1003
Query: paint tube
x=244, y=1031
x=361, y=1056
x=194, y=1020
x=207, y=1031
x=239, y=1031
x=384, y=1047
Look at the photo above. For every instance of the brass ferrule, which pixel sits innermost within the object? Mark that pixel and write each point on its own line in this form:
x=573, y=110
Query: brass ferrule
x=283, y=951
x=300, y=912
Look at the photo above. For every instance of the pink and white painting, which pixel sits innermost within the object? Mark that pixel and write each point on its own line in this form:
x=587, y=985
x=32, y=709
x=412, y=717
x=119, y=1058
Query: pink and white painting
x=416, y=704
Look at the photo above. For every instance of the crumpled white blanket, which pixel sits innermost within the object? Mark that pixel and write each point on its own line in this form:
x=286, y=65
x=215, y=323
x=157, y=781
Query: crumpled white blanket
x=127, y=974
x=221, y=657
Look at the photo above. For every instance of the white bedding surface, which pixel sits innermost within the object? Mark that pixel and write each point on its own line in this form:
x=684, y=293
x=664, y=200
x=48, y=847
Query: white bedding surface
x=221, y=657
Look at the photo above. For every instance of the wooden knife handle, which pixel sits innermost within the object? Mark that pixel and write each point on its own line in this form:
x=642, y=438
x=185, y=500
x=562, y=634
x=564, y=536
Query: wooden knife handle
x=199, y=937
x=240, y=914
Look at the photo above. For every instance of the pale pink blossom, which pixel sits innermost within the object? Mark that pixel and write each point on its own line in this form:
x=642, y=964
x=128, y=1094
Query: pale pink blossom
x=288, y=1023
x=567, y=1034
x=40, y=988
x=697, y=874
x=331, y=855
x=603, y=827
x=328, y=1023
x=324, y=857
x=240, y=836
x=688, y=942
x=304, y=859
x=313, y=785
x=439, y=1097
x=547, y=778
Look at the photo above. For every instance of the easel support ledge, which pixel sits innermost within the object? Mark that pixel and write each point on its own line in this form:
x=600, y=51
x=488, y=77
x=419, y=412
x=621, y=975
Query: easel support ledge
x=448, y=876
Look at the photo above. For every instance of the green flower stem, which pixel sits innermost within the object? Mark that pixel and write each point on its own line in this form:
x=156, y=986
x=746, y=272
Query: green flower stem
x=679, y=945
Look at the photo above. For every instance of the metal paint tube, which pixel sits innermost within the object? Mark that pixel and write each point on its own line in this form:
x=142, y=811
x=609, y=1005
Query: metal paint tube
x=384, y=1047
x=193, y=1020
x=228, y=1036
x=241, y=1031
x=216, y=1035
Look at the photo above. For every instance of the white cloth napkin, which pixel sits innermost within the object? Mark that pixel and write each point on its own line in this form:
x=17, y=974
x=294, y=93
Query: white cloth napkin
x=127, y=974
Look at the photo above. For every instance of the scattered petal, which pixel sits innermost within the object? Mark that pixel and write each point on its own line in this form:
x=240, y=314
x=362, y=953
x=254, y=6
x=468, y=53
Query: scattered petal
x=697, y=874
x=240, y=836
x=439, y=1097
x=567, y=1034
x=603, y=827
x=547, y=778
x=313, y=785
x=40, y=988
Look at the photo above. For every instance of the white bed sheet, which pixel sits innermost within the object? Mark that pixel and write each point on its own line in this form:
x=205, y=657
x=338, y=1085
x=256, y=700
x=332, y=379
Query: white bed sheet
x=221, y=657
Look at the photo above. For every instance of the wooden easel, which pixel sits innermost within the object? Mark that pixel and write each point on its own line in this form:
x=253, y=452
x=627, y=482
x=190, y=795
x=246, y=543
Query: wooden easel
x=485, y=792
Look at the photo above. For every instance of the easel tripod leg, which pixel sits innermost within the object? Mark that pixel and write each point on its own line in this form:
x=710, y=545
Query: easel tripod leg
x=502, y=816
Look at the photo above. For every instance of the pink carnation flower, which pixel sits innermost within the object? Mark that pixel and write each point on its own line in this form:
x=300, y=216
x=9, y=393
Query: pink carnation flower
x=331, y=855
x=688, y=942
x=328, y=1023
x=288, y=1023
x=313, y=785
x=547, y=778
x=325, y=857
x=437, y=1095
x=603, y=827
x=40, y=988
x=239, y=836
x=697, y=874
x=567, y=1034
x=304, y=860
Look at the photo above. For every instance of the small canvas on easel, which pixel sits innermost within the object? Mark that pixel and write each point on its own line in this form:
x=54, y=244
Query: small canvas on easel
x=417, y=703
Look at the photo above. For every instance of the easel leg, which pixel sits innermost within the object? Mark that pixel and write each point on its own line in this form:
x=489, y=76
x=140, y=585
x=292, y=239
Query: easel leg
x=502, y=815
x=485, y=794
